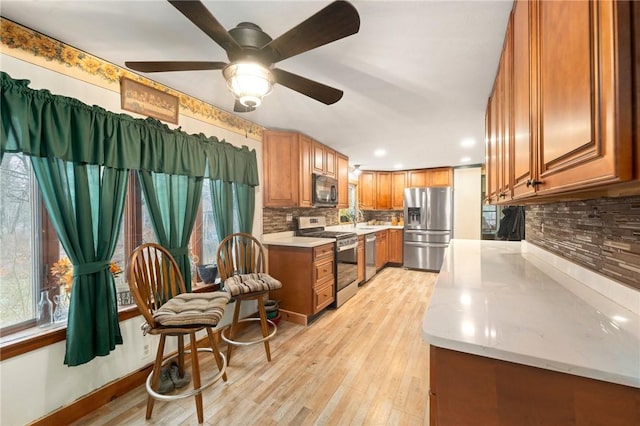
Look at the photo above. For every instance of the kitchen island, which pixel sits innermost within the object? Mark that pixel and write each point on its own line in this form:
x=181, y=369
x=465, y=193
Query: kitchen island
x=520, y=336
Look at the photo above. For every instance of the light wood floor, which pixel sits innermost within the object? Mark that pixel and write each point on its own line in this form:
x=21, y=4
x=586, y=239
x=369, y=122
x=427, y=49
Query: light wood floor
x=362, y=364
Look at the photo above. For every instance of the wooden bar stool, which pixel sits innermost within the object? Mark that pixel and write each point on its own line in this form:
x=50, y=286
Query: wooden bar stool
x=158, y=288
x=243, y=272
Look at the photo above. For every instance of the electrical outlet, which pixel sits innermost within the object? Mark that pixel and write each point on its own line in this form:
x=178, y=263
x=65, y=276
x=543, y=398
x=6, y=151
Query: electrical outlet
x=289, y=217
x=146, y=350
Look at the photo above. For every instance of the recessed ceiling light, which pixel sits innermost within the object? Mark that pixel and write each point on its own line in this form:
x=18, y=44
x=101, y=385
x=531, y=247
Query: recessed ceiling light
x=397, y=166
x=467, y=142
x=380, y=152
x=465, y=159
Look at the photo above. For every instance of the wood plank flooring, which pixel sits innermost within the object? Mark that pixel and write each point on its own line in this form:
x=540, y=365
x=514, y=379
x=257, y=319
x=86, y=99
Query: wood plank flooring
x=362, y=364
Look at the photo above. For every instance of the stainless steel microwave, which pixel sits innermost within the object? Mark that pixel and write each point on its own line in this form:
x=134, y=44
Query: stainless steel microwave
x=325, y=191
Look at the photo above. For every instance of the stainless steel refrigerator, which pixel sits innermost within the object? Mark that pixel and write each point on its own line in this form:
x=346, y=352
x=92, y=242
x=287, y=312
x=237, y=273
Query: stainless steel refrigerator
x=428, y=223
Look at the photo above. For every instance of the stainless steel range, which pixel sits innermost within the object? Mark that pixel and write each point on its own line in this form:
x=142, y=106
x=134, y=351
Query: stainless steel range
x=346, y=248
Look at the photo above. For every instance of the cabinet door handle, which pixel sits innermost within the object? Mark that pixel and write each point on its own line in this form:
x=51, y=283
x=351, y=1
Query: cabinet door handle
x=533, y=182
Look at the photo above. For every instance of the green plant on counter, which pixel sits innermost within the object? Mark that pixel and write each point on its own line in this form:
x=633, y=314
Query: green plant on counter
x=351, y=215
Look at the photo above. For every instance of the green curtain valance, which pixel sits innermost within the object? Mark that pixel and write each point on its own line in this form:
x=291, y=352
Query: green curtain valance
x=38, y=123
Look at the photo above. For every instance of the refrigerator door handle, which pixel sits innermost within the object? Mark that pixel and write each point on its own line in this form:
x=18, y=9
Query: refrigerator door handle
x=425, y=231
x=410, y=243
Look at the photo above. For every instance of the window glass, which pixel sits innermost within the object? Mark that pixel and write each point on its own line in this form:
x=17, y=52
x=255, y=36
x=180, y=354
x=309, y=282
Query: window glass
x=148, y=234
x=353, y=200
x=19, y=267
x=208, y=234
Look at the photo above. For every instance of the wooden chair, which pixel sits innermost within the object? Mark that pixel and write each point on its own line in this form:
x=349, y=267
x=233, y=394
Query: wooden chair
x=243, y=272
x=158, y=288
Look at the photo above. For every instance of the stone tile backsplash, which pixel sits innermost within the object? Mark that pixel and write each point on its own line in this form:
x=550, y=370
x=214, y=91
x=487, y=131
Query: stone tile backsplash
x=275, y=220
x=602, y=234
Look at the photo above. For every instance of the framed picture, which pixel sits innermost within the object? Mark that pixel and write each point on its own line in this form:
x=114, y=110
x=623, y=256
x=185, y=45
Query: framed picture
x=145, y=100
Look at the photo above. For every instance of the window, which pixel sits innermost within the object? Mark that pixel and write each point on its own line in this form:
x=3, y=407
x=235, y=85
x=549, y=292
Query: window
x=25, y=263
x=20, y=264
x=206, y=232
x=205, y=239
x=489, y=219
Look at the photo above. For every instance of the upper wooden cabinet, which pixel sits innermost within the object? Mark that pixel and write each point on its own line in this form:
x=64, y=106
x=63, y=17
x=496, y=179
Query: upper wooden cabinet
x=584, y=75
x=289, y=162
x=522, y=146
x=398, y=183
x=324, y=160
x=367, y=190
x=440, y=177
x=283, y=164
x=429, y=177
x=561, y=113
x=343, y=181
x=385, y=190
x=417, y=178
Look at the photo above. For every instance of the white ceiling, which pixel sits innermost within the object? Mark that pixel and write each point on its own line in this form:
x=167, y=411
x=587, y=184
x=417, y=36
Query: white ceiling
x=416, y=76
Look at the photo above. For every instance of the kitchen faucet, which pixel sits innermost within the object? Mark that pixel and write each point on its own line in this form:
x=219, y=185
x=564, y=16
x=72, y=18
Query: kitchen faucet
x=357, y=215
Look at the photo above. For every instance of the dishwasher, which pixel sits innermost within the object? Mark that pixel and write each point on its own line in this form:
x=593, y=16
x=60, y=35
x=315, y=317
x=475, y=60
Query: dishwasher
x=370, y=257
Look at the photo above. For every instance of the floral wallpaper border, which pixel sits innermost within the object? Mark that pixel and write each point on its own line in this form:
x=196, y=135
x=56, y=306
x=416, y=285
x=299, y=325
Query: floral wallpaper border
x=39, y=49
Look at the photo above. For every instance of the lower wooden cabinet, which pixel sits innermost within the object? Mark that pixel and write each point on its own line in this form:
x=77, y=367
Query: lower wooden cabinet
x=395, y=243
x=307, y=276
x=469, y=389
x=382, y=254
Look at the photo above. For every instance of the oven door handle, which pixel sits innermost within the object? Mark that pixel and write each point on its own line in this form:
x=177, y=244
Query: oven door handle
x=349, y=247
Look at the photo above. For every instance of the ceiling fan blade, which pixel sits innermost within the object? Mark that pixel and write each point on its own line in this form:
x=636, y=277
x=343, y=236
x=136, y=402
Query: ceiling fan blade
x=338, y=20
x=318, y=91
x=197, y=13
x=160, y=66
x=238, y=107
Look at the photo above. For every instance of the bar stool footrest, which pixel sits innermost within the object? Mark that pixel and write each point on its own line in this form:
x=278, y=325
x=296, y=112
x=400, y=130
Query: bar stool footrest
x=225, y=331
x=192, y=392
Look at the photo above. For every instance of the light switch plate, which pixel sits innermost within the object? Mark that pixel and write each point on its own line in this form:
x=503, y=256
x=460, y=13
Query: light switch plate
x=289, y=217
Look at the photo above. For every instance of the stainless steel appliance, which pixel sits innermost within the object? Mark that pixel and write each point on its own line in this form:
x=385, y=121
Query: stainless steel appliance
x=346, y=260
x=428, y=214
x=325, y=191
x=370, y=256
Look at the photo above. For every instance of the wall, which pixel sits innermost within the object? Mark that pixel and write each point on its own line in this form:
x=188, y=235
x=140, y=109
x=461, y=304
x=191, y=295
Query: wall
x=602, y=235
x=35, y=383
x=467, y=203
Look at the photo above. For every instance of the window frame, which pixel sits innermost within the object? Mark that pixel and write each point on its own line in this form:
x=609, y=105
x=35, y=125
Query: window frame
x=49, y=252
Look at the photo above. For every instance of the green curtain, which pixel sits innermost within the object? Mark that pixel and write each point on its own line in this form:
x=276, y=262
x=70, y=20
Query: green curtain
x=246, y=202
x=222, y=204
x=52, y=128
x=40, y=124
x=173, y=202
x=85, y=203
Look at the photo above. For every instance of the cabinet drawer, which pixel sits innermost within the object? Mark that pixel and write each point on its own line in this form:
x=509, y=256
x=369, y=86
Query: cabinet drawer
x=322, y=296
x=323, y=251
x=324, y=270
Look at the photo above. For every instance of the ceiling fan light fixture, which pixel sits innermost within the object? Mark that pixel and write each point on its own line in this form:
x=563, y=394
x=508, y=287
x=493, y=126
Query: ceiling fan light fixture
x=249, y=82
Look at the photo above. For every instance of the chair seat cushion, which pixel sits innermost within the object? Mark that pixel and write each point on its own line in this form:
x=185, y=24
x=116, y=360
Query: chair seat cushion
x=193, y=309
x=250, y=283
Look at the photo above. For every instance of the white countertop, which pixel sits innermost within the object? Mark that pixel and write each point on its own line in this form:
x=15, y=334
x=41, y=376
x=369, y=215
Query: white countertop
x=363, y=228
x=289, y=239
x=516, y=302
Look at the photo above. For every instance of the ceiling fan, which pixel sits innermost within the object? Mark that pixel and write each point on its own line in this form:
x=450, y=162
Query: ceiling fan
x=252, y=53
